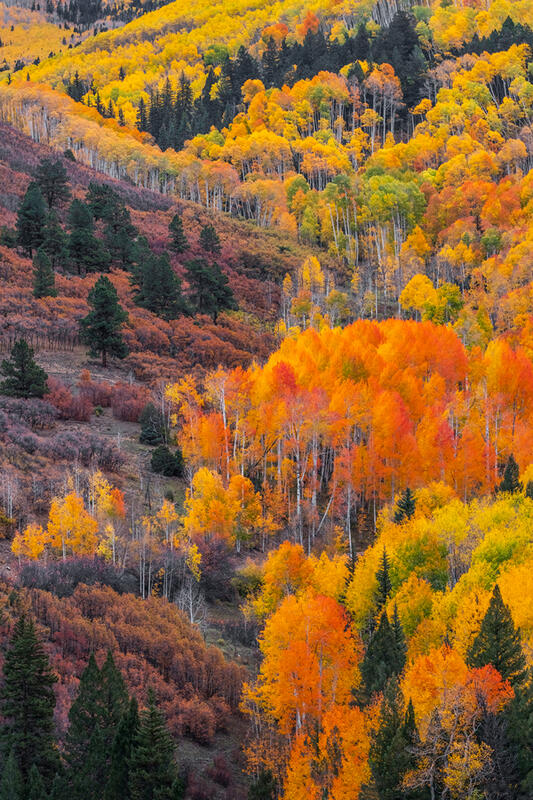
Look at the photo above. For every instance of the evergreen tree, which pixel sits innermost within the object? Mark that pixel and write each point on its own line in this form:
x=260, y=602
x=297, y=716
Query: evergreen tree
x=166, y=463
x=209, y=240
x=264, y=788
x=11, y=785
x=383, y=658
x=52, y=179
x=35, y=786
x=498, y=643
x=159, y=288
x=100, y=329
x=153, y=426
x=120, y=235
x=210, y=290
x=510, y=481
x=27, y=703
x=102, y=200
x=399, y=635
x=405, y=508
x=529, y=490
x=23, y=376
x=117, y=787
x=85, y=251
x=54, y=241
x=391, y=755
x=179, y=242
x=383, y=579
x=31, y=219
x=519, y=719
x=44, y=284
x=153, y=774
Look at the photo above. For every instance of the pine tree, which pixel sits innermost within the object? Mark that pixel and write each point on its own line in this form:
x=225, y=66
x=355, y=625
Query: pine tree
x=510, y=481
x=405, y=508
x=114, y=697
x=85, y=251
x=52, y=179
x=264, y=788
x=529, y=490
x=498, y=643
x=166, y=463
x=153, y=774
x=399, y=635
x=44, y=284
x=383, y=658
x=383, y=579
x=27, y=704
x=31, y=219
x=23, y=376
x=120, y=235
x=117, y=786
x=100, y=329
x=35, y=786
x=391, y=755
x=54, y=241
x=209, y=240
x=519, y=718
x=154, y=429
x=210, y=290
x=159, y=288
x=179, y=241
x=11, y=785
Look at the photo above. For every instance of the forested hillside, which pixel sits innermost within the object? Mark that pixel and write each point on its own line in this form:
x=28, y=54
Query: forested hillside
x=266, y=400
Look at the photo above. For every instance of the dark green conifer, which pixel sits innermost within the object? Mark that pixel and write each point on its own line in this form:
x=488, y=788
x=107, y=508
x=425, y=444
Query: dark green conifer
x=11, y=785
x=210, y=290
x=511, y=477
x=54, y=241
x=209, y=240
x=179, y=242
x=52, y=179
x=35, y=785
x=44, y=283
x=159, y=288
x=117, y=787
x=384, y=583
x=153, y=774
x=405, y=507
x=100, y=329
x=23, y=377
x=164, y=462
x=31, y=219
x=154, y=429
x=383, y=658
x=498, y=643
x=27, y=703
x=264, y=787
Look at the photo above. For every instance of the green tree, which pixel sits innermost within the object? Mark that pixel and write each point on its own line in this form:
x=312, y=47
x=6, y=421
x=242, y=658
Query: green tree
x=35, y=786
x=264, y=787
x=209, y=240
x=179, y=242
x=23, y=376
x=44, y=283
x=391, y=752
x=52, y=179
x=86, y=252
x=54, y=241
x=117, y=786
x=102, y=200
x=166, y=463
x=511, y=477
x=159, y=288
x=383, y=579
x=153, y=774
x=383, y=659
x=405, y=507
x=210, y=290
x=11, y=786
x=519, y=718
x=154, y=429
x=100, y=329
x=120, y=235
x=31, y=219
x=27, y=703
x=498, y=643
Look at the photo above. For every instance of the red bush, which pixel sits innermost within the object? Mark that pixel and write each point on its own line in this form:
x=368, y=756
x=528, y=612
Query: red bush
x=128, y=400
x=99, y=394
x=70, y=406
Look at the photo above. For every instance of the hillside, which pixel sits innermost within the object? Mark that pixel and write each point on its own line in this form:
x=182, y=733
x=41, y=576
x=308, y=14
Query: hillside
x=266, y=400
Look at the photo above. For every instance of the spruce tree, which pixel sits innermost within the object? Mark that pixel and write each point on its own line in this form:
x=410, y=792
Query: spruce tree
x=31, y=219
x=519, y=718
x=399, y=635
x=209, y=240
x=154, y=429
x=117, y=786
x=383, y=579
x=114, y=697
x=210, y=290
x=27, y=703
x=498, y=643
x=11, y=784
x=179, y=242
x=510, y=481
x=153, y=774
x=120, y=235
x=52, y=179
x=391, y=755
x=159, y=288
x=86, y=252
x=264, y=787
x=44, y=284
x=35, y=786
x=164, y=462
x=405, y=508
x=23, y=377
x=54, y=241
x=100, y=329
x=383, y=658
